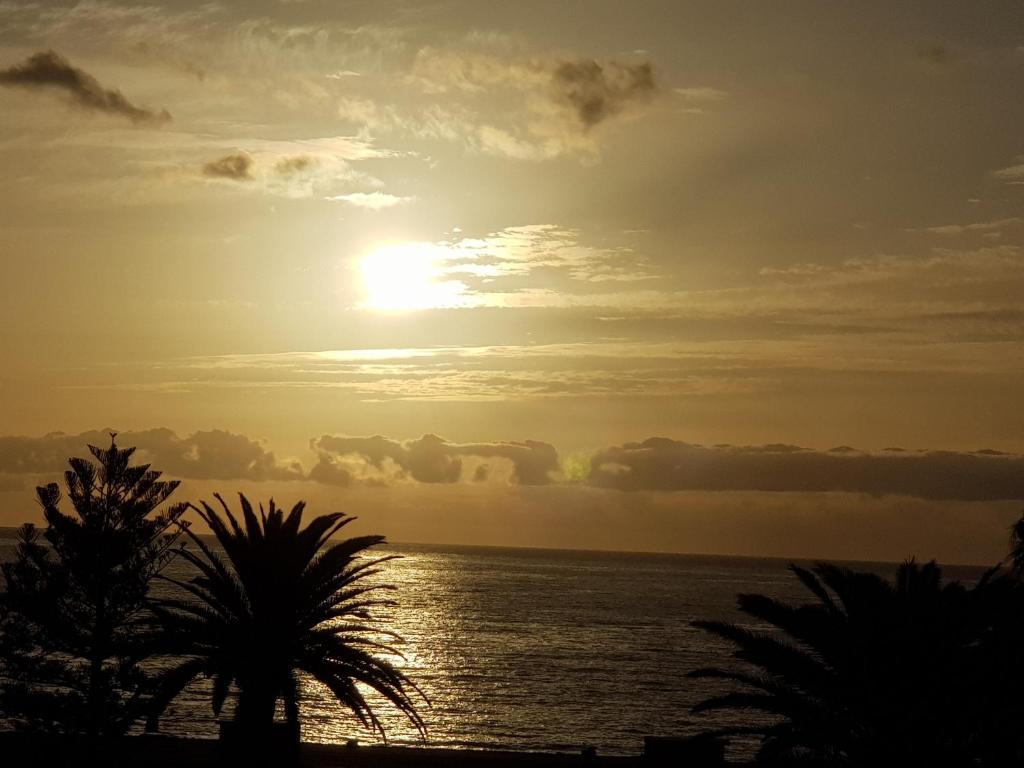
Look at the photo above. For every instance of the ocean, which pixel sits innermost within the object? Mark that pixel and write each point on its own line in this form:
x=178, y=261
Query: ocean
x=542, y=650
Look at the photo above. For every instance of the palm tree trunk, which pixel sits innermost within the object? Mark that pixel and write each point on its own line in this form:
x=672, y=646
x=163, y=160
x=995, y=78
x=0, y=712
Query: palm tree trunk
x=291, y=711
x=255, y=711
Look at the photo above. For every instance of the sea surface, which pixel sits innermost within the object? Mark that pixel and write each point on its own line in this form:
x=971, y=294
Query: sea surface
x=542, y=649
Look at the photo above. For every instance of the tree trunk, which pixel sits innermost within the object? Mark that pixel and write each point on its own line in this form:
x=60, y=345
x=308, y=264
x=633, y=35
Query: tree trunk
x=97, y=695
x=291, y=712
x=96, y=699
x=255, y=711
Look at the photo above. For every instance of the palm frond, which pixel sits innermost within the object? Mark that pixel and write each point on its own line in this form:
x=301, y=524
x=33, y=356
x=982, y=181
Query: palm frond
x=285, y=599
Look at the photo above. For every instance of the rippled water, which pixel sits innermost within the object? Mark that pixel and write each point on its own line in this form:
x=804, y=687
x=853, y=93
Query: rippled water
x=543, y=650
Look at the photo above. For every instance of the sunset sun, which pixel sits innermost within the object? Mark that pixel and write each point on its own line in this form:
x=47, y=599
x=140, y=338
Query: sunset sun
x=401, y=277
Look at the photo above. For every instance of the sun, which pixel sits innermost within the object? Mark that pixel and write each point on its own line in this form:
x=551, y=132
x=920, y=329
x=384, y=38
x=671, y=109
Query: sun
x=406, y=276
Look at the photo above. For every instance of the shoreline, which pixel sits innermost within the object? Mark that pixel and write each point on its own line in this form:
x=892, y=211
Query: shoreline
x=160, y=751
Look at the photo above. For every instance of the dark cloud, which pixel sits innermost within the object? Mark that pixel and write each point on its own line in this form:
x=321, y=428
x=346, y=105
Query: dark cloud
x=768, y=448
x=656, y=464
x=210, y=455
x=235, y=167
x=534, y=462
x=213, y=455
x=342, y=461
x=431, y=459
x=669, y=465
x=49, y=69
x=596, y=92
x=328, y=470
x=294, y=164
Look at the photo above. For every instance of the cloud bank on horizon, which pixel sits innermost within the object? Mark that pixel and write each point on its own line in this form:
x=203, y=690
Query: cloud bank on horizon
x=655, y=465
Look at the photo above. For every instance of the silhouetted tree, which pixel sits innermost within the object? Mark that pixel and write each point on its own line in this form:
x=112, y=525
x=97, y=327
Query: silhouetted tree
x=287, y=601
x=915, y=672
x=73, y=614
x=1016, y=556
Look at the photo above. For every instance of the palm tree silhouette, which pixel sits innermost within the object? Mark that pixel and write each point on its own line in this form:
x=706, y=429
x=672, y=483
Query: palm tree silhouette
x=870, y=672
x=286, y=602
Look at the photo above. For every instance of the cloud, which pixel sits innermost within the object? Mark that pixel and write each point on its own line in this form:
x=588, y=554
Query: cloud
x=701, y=93
x=294, y=164
x=592, y=90
x=509, y=105
x=330, y=471
x=375, y=201
x=496, y=373
x=49, y=69
x=662, y=464
x=204, y=455
x=439, y=70
x=908, y=290
x=487, y=264
x=656, y=464
x=952, y=230
x=595, y=91
x=1012, y=174
x=297, y=168
x=936, y=55
x=698, y=98
x=237, y=167
x=429, y=459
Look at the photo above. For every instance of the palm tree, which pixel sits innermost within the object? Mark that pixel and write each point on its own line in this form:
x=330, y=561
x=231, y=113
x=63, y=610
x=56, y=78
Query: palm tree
x=286, y=602
x=870, y=672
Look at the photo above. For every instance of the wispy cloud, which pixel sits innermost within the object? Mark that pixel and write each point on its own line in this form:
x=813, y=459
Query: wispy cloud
x=698, y=99
x=375, y=201
x=489, y=263
x=509, y=105
x=952, y=230
x=701, y=94
x=1012, y=174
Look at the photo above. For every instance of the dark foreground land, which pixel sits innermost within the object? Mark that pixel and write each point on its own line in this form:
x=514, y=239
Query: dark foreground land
x=18, y=749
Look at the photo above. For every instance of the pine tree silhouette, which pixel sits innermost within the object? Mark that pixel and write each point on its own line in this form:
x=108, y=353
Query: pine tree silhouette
x=73, y=614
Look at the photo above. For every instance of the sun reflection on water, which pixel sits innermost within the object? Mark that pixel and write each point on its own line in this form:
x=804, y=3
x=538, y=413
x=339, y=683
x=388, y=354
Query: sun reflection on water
x=428, y=629
x=534, y=650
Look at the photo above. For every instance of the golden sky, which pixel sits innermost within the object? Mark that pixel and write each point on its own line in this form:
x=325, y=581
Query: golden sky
x=630, y=271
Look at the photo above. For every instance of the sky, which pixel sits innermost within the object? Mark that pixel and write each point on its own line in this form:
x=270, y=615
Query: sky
x=696, y=276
